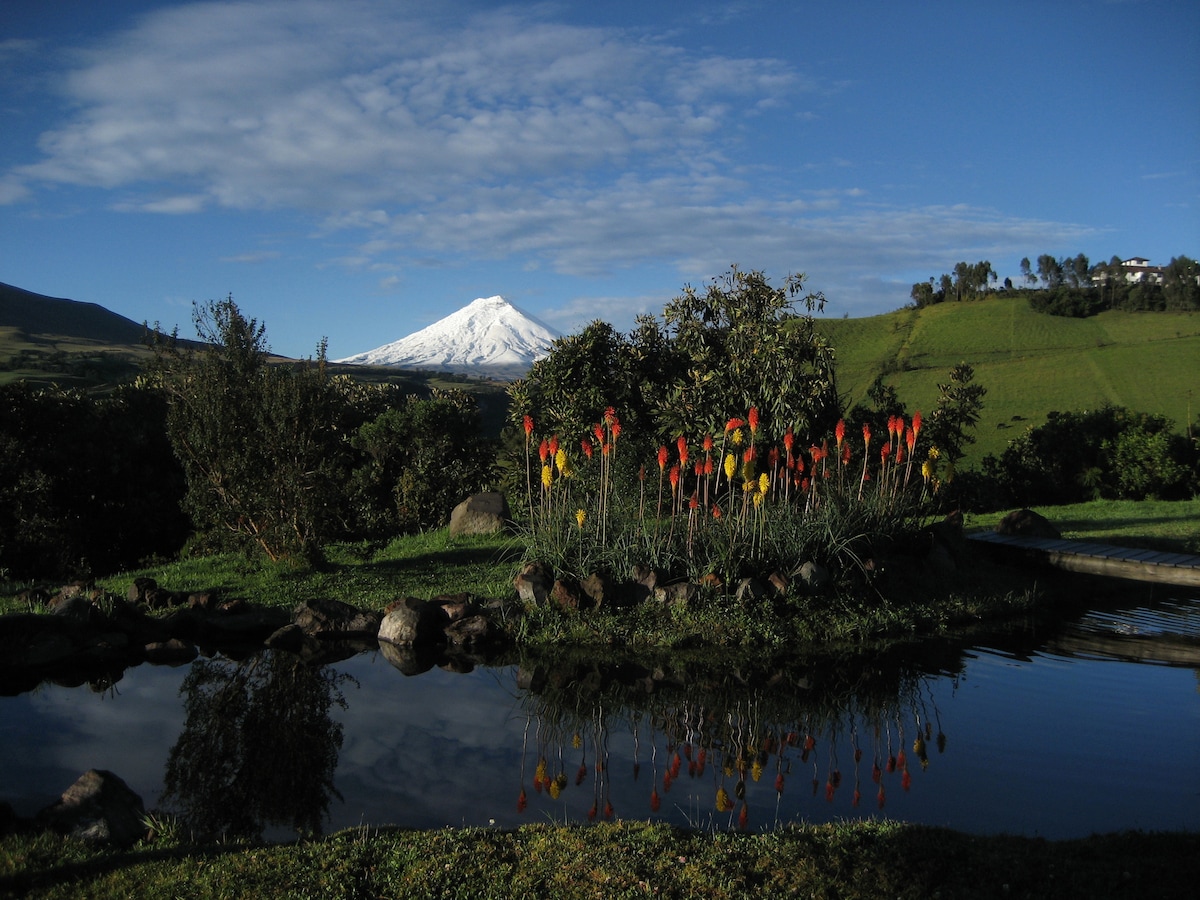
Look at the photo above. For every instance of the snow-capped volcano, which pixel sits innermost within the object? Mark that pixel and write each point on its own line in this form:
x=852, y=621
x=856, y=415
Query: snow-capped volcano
x=488, y=336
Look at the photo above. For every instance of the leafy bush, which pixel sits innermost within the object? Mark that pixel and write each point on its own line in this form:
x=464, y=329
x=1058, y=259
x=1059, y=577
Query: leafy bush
x=1109, y=453
x=87, y=483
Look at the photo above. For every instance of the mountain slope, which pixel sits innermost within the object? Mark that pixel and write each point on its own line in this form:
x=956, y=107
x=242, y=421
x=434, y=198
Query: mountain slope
x=488, y=336
x=53, y=317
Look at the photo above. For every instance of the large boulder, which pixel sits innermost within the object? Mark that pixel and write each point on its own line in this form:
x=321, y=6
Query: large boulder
x=484, y=513
x=99, y=808
x=412, y=620
x=1027, y=523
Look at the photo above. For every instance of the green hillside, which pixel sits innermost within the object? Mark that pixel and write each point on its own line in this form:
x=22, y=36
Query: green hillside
x=1029, y=362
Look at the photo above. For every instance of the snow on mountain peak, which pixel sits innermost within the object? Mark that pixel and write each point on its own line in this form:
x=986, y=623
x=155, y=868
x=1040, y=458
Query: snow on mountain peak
x=488, y=336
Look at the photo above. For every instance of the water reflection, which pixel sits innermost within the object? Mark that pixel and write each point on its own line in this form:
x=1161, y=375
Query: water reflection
x=743, y=752
x=258, y=746
x=1011, y=732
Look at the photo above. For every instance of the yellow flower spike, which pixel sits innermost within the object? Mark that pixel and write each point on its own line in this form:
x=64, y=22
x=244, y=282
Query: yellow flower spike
x=560, y=460
x=577, y=738
x=927, y=469
x=758, y=499
x=730, y=466
x=547, y=477
x=580, y=516
x=737, y=437
x=555, y=789
x=756, y=770
x=763, y=483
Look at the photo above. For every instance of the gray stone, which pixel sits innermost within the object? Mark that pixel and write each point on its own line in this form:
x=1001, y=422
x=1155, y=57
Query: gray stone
x=484, y=513
x=412, y=620
x=333, y=618
x=813, y=576
x=99, y=808
x=534, y=583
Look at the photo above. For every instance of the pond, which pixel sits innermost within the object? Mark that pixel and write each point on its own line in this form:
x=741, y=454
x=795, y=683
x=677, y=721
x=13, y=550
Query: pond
x=1090, y=725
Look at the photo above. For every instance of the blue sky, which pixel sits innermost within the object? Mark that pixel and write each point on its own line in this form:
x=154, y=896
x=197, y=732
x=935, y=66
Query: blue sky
x=356, y=170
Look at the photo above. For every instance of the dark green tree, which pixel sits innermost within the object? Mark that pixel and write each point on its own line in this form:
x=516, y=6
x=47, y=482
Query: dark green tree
x=951, y=425
x=259, y=443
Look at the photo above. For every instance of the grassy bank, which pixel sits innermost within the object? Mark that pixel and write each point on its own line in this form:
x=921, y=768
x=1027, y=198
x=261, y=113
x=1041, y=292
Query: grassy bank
x=1154, y=524
x=861, y=860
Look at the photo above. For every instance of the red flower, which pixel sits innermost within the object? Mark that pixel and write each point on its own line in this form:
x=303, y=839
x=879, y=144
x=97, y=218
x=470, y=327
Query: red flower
x=663, y=455
x=610, y=415
x=708, y=443
x=866, y=434
x=839, y=432
x=916, y=422
x=674, y=477
x=681, y=445
x=708, y=465
x=615, y=428
x=553, y=447
x=522, y=801
x=598, y=431
x=789, y=440
x=528, y=423
x=544, y=449
x=655, y=801
x=734, y=423
x=752, y=419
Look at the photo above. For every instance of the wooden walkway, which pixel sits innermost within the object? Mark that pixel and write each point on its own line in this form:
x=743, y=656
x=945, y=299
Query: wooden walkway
x=1099, y=559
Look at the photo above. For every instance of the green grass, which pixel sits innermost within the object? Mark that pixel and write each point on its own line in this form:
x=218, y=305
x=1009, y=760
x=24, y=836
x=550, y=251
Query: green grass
x=423, y=565
x=1153, y=524
x=1030, y=363
x=619, y=860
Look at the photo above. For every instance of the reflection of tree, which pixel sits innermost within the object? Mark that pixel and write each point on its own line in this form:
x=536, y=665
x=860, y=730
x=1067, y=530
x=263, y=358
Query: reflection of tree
x=258, y=747
x=816, y=727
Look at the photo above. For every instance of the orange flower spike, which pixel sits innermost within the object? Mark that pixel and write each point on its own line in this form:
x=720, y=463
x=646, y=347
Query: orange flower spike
x=750, y=454
x=884, y=452
x=544, y=449
x=845, y=454
x=681, y=445
x=663, y=455
x=916, y=422
x=708, y=443
x=752, y=419
x=716, y=512
x=734, y=423
x=615, y=428
x=789, y=440
x=773, y=457
x=839, y=432
x=553, y=446
x=586, y=446
x=610, y=415
x=698, y=469
x=674, y=476
x=899, y=454
x=866, y=435
x=527, y=422
x=708, y=465
x=598, y=431
x=910, y=438
x=694, y=503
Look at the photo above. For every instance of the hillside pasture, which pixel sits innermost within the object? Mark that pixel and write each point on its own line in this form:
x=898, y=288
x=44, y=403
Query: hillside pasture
x=1029, y=362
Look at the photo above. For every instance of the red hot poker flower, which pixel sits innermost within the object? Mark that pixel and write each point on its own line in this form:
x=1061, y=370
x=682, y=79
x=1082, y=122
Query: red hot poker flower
x=866, y=434
x=663, y=455
x=527, y=422
x=734, y=423
x=752, y=419
x=681, y=445
x=586, y=446
x=544, y=449
x=839, y=432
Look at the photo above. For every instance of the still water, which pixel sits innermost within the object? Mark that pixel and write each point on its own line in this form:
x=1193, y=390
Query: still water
x=1091, y=726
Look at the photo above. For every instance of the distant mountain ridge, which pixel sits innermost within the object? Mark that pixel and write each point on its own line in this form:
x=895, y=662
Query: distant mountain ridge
x=487, y=337
x=39, y=315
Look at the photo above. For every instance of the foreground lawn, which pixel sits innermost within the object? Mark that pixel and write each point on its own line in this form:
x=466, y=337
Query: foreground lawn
x=625, y=859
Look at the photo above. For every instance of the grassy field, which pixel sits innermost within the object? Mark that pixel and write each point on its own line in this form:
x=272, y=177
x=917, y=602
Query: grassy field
x=1029, y=362
x=619, y=860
